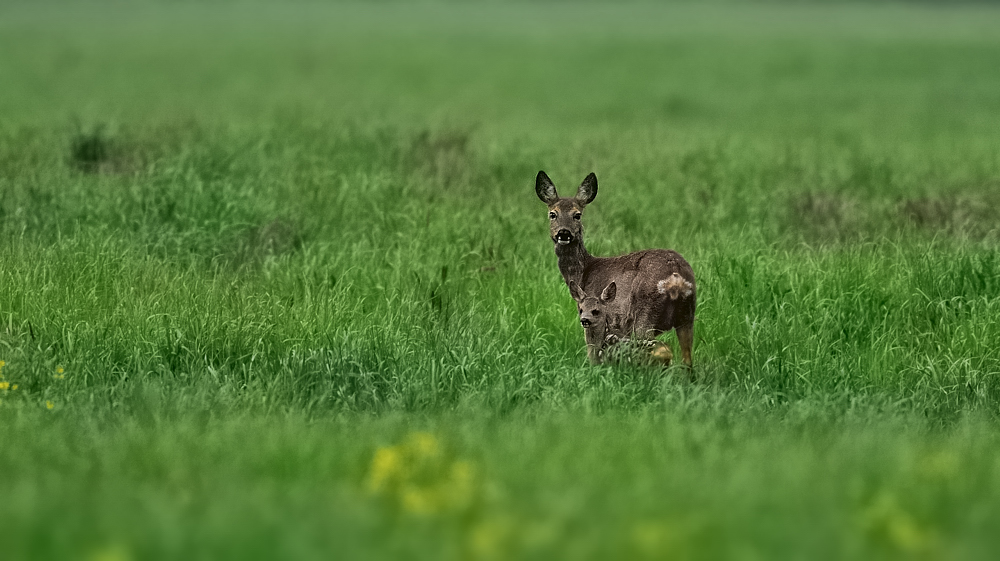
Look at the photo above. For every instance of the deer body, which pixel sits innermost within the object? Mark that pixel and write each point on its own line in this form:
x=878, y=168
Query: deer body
x=659, y=283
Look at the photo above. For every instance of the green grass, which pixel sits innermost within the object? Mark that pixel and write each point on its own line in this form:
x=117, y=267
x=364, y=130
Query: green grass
x=248, y=250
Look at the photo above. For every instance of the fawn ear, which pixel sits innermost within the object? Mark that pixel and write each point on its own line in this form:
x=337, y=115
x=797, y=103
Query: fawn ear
x=545, y=189
x=587, y=190
x=609, y=293
x=575, y=291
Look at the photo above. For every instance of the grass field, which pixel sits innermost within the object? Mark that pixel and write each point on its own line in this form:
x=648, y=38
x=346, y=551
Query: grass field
x=274, y=282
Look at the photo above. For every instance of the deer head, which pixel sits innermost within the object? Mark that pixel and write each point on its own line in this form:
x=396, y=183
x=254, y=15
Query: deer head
x=565, y=213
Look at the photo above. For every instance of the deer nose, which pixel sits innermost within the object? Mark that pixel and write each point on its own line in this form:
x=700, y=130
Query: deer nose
x=585, y=322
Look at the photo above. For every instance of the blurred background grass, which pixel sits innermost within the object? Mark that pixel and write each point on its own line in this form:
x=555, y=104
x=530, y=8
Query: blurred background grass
x=247, y=248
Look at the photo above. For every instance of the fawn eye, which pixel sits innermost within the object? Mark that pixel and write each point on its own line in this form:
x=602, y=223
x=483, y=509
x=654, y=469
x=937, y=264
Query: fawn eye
x=552, y=215
x=596, y=313
x=577, y=216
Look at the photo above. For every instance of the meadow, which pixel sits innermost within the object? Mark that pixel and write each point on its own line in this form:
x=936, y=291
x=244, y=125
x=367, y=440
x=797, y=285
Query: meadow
x=274, y=281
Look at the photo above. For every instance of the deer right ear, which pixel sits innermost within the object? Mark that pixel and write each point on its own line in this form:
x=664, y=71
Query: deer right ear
x=545, y=189
x=609, y=293
x=588, y=189
x=575, y=292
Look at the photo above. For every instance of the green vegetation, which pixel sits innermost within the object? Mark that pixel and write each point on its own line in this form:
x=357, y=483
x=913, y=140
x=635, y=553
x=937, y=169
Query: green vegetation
x=274, y=282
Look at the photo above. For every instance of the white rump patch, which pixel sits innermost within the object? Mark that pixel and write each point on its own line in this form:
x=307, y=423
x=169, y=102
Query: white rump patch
x=675, y=286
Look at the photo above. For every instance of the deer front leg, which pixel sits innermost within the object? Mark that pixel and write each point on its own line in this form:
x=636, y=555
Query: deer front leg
x=594, y=354
x=685, y=336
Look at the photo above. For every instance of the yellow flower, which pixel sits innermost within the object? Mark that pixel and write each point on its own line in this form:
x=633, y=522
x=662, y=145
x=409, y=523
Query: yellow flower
x=59, y=376
x=14, y=387
x=49, y=404
x=2, y=364
x=4, y=385
x=59, y=370
x=462, y=483
x=887, y=522
x=418, y=476
x=387, y=466
x=424, y=444
x=419, y=501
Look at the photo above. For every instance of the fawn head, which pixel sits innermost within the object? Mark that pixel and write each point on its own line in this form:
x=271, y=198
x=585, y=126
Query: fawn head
x=565, y=213
x=592, y=309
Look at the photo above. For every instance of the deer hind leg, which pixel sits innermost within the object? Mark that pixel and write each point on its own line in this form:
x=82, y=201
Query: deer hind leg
x=661, y=353
x=685, y=336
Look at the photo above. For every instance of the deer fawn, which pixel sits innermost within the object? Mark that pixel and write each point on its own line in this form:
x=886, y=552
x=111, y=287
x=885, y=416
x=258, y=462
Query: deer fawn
x=659, y=283
x=609, y=334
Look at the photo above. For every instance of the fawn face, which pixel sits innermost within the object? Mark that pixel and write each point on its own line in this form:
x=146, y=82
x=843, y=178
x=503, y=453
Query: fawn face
x=593, y=312
x=565, y=213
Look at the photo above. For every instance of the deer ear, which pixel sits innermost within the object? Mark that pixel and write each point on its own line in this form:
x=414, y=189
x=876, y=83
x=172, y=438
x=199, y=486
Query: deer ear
x=574, y=291
x=545, y=189
x=588, y=189
x=609, y=293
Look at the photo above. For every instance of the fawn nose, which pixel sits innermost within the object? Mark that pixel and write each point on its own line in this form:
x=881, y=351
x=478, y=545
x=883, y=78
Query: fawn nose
x=585, y=322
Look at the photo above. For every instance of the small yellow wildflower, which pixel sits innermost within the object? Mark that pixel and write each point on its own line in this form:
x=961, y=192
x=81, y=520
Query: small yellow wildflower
x=4, y=385
x=418, y=477
x=420, y=501
x=387, y=466
x=14, y=387
x=424, y=444
x=2, y=364
x=462, y=483
x=49, y=404
x=888, y=523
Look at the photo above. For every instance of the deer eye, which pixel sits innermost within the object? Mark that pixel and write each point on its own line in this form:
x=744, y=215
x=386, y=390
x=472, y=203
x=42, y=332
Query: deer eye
x=577, y=216
x=552, y=215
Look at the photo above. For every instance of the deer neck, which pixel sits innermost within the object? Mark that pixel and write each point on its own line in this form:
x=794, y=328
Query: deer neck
x=573, y=259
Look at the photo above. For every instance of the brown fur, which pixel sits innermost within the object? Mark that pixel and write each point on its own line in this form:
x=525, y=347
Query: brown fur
x=611, y=335
x=659, y=283
x=602, y=327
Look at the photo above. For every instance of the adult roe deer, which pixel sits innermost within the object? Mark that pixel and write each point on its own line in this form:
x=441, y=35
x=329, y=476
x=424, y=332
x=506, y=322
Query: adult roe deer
x=659, y=283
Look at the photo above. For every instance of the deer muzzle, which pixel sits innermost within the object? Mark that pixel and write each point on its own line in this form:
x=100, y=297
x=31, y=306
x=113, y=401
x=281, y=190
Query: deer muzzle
x=563, y=237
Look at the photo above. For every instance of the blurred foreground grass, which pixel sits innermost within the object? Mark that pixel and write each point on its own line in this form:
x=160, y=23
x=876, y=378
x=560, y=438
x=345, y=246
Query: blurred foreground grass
x=699, y=484
x=274, y=283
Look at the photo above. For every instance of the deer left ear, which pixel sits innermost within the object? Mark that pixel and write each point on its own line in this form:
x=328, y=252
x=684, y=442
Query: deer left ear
x=545, y=190
x=609, y=293
x=588, y=189
x=575, y=291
